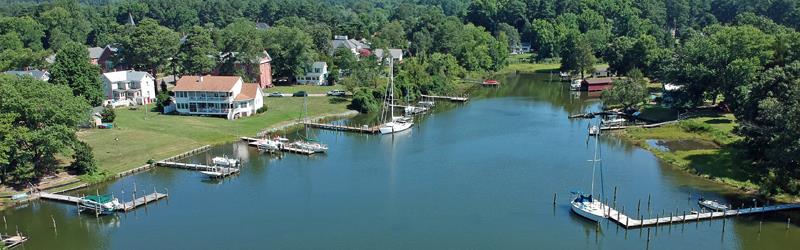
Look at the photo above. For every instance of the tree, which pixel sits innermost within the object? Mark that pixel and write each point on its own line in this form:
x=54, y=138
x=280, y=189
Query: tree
x=391, y=35
x=65, y=25
x=291, y=50
x=108, y=114
x=72, y=68
x=628, y=92
x=83, y=159
x=45, y=117
x=240, y=43
x=195, y=55
x=512, y=35
x=769, y=120
x=30, y=31
x=150, y=46
x=344, y=59
x=577, y=56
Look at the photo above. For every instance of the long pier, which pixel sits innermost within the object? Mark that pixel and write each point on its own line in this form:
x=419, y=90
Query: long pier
x=632, y=222
x=451, y=98
x=190, y=166
x=363, y=129
x=126, y=206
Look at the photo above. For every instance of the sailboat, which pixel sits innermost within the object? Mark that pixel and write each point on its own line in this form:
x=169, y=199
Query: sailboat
x=394, y=124
x=587, y=205
x=306, y=143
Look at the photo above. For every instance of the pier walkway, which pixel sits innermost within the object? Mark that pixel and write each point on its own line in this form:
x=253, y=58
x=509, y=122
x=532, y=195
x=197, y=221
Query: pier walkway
x=631, y=222
x=126, y=206
x=363, y=129
x=451, y=98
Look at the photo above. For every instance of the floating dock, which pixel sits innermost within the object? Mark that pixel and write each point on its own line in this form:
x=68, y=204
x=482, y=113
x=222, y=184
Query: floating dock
x=126, y=206
x=363, y=129
x=631, y=222
x=451, y=98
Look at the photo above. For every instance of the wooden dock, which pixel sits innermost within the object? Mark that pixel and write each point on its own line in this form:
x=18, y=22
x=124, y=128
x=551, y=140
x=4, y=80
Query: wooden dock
x=451, y=98
x=654, y=125
x=363, y=129
x=141, y=201
x=11, y=241
x=190, y=166
x=632, y=222
x=126, y=206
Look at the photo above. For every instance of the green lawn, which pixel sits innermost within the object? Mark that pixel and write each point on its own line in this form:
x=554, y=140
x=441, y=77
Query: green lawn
x=311, y=89
x=137, y=137
x=724, y=164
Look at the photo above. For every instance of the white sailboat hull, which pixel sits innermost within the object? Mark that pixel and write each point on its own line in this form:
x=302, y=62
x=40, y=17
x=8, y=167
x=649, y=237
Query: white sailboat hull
x=589, y=210
x=395, y=127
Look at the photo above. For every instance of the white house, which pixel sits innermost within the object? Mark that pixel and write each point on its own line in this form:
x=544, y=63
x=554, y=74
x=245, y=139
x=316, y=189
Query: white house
x=129, y=87
x=225, y=96
x=316, y=74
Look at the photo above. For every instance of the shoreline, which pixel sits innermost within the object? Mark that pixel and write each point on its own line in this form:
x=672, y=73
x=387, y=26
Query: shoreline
x=74, y=182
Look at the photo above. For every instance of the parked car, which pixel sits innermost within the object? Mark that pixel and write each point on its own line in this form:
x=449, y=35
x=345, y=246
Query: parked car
x=300, y=94
x=336, y=92
x=275, y=94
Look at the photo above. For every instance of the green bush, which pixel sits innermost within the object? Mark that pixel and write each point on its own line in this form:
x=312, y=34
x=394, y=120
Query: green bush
x=83, y=159
x=262, y=110
x=108, y=115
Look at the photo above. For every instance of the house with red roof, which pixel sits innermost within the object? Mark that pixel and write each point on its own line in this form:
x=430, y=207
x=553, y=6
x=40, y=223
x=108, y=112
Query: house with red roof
x=224, y=96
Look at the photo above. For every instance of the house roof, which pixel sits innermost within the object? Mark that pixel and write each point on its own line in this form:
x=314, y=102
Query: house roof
x=95, y=52
x=319, y=65
x=38, y=74
x=127, y=75
x=208, y=83
x=395, y=53
x=342, y=41
x=249, y=92
x=602, y=80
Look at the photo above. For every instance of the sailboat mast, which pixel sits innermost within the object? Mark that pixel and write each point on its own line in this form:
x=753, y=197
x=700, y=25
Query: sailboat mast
x=391, y=87
x=594, y=159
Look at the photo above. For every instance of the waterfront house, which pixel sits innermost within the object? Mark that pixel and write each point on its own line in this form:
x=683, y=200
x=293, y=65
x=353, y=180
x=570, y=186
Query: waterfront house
x=353, y=45
x=397, y=54
x=259, y=68
x=125, y=88
x=36, y=74
x=316, y=74
x=521, y=48
x=597, y=84
x=224, y=96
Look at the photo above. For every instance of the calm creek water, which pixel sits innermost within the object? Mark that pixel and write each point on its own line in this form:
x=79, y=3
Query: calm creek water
x=474, y=176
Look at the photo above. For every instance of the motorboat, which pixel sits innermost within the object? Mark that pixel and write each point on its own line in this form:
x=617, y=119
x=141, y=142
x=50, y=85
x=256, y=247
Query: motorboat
x=224, y=161
x=575, y=85
x=414, y=110
x=312, y=146
x=594, y=130
x=99, y=204
x=712, y=204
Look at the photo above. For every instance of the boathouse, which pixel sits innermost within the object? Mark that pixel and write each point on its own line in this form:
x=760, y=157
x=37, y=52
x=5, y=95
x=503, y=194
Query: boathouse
x=597, y=84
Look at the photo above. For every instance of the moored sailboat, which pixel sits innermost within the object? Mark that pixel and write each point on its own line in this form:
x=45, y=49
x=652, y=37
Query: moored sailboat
x=394, y=124
x=588, y=206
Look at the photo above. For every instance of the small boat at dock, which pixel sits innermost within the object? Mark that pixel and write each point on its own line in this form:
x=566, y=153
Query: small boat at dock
x=312, y=146
x=414, y=110
x=219, y=172
x=394, y=124
x=594, y=130
x=225, y=161
x=99, y=204
x=712, y=204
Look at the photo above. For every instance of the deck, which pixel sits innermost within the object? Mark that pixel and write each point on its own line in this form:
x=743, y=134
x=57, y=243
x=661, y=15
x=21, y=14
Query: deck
x=190, y=166
x=363, y=129
x=451, y=98
x=11, y=241
x=632, y=222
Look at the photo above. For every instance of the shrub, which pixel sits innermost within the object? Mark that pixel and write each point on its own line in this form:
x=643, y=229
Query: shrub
x=261, y=110
x=83, y=159
x=108, y=115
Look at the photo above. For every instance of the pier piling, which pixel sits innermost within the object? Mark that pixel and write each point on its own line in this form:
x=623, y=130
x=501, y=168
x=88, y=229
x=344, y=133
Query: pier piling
x=554, y=198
